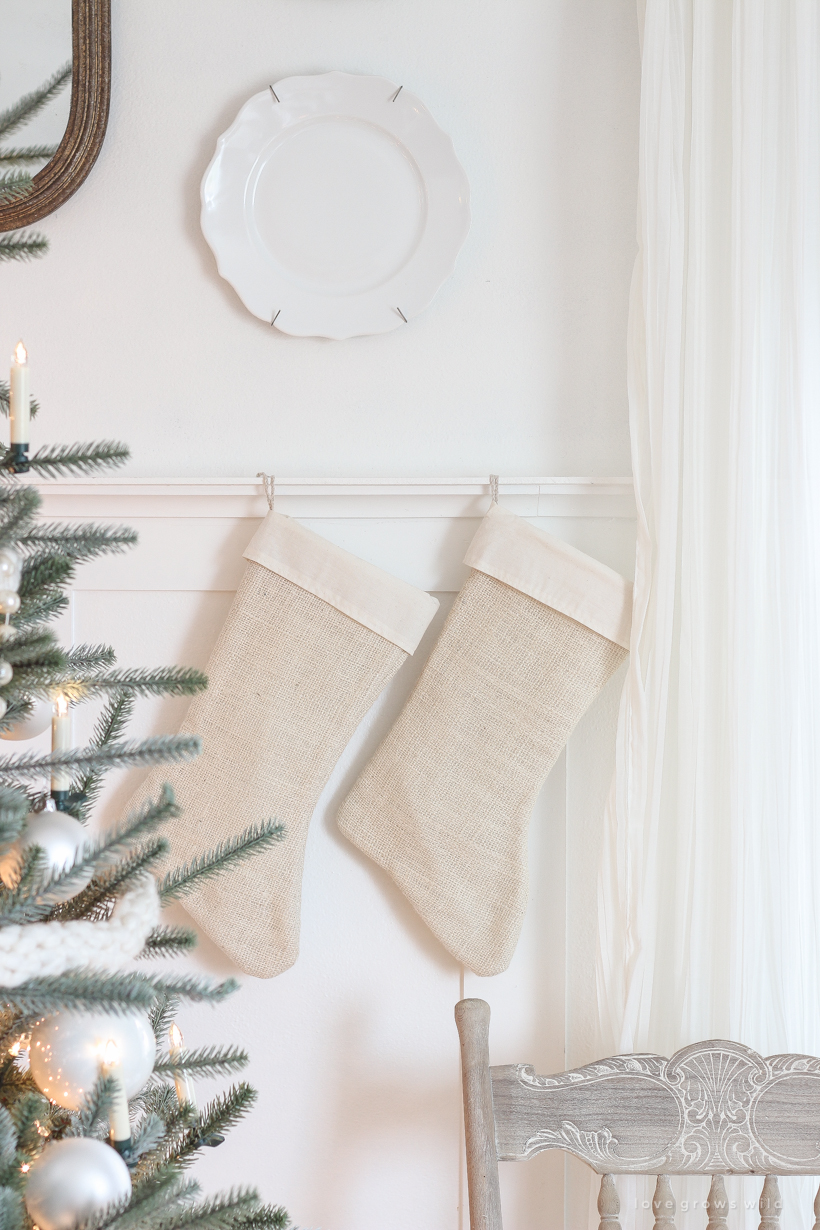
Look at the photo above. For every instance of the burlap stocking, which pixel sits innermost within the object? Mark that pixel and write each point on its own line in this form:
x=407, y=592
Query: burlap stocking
x=444, y=804
x=311, y=639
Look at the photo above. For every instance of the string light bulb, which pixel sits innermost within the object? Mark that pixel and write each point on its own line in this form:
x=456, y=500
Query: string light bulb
x=182, y=1081
x=19, y=409
x=118, y=1119
x=60, y=742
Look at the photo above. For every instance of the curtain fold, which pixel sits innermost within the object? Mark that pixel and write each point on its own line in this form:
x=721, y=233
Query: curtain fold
x=709, y=923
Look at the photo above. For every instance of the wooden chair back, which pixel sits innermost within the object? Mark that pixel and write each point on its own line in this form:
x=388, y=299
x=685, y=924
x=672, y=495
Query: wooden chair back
x=714, y=1108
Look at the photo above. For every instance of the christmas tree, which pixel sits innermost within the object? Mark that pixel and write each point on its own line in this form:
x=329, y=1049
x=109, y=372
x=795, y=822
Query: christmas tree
x=98, y=1117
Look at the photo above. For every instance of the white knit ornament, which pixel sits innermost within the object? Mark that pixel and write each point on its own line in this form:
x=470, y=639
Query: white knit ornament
x=52, y=948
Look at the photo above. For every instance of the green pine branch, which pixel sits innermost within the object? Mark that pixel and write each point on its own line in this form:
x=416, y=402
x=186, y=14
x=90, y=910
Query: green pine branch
x=109, y=727
x=162, y=1015
x=22, y=245
x=12, y=1212
x=208, y=1061
x=151, y=1200
x=227, y=1212
x=266, y=1217
x=26, y=153
x=162, y=749
x=84, y=658
x=18, y=505
x=80, y=989
x=113, y=720
x=32, y=869
x=96, y=901
x=27, y=647
x=39, y=676
x=18, y=711
x=5, y=405
x=118, y=992
x=46, y=569
x=13, y=810
x=217, y=1118
x=8, y=1144
x=95, y=1108
x=81, y=542
x=14, y=1028
x=14, y=186
x=27, y=1113
x=169, y=942
x=194, y=990
x=40, y=608
x=29, y=105
x=58, y=459
x=106, y=1216
x=146, y=1136
x=227, y=854
x=35, y=899
x=160, y=1099
x=159, y=681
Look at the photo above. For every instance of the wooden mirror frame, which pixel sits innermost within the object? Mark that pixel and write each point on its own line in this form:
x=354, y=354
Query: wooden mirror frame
x=82, y=140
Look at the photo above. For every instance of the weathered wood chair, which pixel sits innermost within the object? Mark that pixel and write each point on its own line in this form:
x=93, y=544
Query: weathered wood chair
x=714, y=1108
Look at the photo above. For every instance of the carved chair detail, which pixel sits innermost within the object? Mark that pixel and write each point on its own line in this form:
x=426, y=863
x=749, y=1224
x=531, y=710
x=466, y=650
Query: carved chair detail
x=714, y=1108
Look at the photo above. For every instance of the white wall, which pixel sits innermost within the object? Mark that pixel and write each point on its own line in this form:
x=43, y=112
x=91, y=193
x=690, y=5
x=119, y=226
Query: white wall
x=517, y=367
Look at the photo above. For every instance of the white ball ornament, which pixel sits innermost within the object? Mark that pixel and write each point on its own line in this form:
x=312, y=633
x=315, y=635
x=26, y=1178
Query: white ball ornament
x=6, y=673
x=11, y=567
x=59, y=835
x=67, y=1052
x=72, y=1179
x=9, y=602
x=38, y=720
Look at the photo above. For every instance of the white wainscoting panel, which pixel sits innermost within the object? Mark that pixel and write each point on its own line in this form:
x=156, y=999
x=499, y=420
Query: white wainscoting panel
x=354, y=1050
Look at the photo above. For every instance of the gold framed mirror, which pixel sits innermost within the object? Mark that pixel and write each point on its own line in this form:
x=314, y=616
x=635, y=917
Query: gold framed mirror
x=88, y=116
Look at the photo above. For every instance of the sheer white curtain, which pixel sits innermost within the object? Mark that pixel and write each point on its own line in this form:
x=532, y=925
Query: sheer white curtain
x=710, y=877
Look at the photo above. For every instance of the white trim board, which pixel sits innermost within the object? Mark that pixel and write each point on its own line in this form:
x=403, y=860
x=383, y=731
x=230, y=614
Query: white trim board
x=192, y=531
x=322, y=497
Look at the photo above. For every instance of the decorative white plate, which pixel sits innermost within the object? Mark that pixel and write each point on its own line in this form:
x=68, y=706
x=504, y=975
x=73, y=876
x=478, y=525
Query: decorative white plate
x=335, y=205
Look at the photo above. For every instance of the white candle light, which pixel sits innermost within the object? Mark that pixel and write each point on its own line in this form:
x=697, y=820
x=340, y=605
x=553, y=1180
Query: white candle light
x=118, y=1119
x=19, y=396
x=182, y=1081
x=60, y=742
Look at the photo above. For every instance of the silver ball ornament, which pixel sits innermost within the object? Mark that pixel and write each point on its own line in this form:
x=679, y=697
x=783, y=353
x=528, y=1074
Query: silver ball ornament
x=59, y=835
x=38, y=720
x=67, y=1051
x=9, y=602
x=11, y=567
x=73, y=1179
x=6, y=673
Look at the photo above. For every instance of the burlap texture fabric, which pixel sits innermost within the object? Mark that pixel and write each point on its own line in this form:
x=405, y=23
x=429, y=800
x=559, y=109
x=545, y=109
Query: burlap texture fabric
x=444, y=804
x=290, y=678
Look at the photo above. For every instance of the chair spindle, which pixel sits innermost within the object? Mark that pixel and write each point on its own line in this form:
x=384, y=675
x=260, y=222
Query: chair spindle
x=609, y=1204
x=717, y=1206
x=663, y=1204
x=770, y=1204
